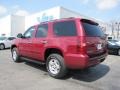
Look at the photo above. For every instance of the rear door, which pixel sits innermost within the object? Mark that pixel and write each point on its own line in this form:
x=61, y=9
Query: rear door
x=40, y=41
x=7, y=42
x=10, y=41
x=95, y=38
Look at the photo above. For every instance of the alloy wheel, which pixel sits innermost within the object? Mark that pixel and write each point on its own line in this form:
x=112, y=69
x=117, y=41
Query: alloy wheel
x=14, y=55
x=119, y=52
x=54, y=66
x=2, y=47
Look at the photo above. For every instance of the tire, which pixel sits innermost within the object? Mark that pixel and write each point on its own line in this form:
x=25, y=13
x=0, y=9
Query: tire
x=55, y=66
x=2, y=46
x=119, y=52
x=15, y=55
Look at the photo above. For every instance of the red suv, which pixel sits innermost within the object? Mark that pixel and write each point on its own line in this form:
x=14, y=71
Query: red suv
x=71, y=43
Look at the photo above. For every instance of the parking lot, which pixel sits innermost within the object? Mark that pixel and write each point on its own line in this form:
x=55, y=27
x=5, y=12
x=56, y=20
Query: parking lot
x=29, y=76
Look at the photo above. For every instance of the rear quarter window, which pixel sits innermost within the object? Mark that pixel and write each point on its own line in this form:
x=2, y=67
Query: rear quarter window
x=66, y=28
x=11, y=38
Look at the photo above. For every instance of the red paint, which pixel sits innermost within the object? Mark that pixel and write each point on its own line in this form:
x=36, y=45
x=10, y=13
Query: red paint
x=78, y=51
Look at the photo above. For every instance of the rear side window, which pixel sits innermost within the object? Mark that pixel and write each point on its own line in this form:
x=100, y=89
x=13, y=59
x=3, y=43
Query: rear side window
x=66, y=28
x=11, y=38
x=92, y=29
x=42, y=30
x=2, y=38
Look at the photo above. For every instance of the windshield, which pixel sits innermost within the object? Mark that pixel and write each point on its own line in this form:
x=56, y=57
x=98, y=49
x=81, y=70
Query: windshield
x=92, y=29
x=113, y=41
x=2, y=38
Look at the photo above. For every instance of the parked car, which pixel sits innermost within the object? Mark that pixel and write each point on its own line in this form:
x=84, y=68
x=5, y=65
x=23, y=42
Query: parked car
x=114, y=47
x=116, y=41
x=63, y=44
x=6, y=42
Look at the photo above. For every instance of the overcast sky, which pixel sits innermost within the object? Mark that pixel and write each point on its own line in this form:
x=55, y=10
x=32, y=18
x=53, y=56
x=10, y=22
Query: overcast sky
x=105, y=10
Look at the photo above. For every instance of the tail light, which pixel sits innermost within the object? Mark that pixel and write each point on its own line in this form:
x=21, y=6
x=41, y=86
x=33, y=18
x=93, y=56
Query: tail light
x=81, y=45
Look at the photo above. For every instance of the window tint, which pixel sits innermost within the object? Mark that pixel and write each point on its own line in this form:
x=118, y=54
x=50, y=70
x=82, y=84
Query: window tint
x=29, y=32
x=92, y=30
x=3, y=38
x=42, y=31
x=66, y=28
x=11, y=38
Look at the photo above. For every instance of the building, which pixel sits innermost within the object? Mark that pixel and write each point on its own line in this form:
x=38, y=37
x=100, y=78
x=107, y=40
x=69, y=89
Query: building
x=5, y=25
x=13, y=24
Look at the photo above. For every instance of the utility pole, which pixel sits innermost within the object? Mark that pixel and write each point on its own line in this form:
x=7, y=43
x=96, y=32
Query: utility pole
x=118, y=29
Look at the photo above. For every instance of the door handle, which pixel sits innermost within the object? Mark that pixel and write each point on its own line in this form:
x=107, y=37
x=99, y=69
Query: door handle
x=29, y=42
x=44, y=42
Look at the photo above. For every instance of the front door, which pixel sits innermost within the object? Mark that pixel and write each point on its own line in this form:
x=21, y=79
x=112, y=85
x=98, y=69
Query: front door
x=25, y=45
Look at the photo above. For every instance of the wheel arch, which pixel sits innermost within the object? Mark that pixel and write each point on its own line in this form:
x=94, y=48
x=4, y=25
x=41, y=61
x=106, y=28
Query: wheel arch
x=49, y=51
x=13, y=46
x=2, y=44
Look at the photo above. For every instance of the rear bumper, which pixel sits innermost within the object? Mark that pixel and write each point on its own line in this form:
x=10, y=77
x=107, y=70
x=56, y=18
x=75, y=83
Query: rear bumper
x=96, y=60
x=75, y=61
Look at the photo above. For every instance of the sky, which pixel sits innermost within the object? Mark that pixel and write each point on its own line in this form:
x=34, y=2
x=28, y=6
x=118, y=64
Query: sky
x=105, y=10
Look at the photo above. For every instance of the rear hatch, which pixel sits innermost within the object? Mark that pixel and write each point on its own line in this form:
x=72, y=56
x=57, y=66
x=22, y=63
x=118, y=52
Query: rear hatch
x=95, y=38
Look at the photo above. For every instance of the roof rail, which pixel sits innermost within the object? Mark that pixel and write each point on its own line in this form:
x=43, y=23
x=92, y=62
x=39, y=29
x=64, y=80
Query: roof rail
x=57, y=19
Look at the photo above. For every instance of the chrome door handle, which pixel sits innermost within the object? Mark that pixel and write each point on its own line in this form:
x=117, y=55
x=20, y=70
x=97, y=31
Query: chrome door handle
x=29, y=42
x=44, y=42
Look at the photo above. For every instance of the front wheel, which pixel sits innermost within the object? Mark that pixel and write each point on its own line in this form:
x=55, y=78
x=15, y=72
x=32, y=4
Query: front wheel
x=119, y=52
x=2, y=46
x=56, y=66
x=15, y=55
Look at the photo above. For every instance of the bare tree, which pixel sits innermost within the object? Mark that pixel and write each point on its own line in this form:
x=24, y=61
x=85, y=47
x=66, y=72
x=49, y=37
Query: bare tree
x=112, y=24
x=117, y=29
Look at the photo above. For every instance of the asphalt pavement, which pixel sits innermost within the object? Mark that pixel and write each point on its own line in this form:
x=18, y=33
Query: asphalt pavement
x=29, y=76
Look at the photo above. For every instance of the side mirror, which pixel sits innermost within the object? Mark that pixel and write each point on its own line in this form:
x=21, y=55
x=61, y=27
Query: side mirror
x=20, y=35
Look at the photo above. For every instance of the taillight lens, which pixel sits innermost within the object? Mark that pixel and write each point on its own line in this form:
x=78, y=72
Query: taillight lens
x=81, y=45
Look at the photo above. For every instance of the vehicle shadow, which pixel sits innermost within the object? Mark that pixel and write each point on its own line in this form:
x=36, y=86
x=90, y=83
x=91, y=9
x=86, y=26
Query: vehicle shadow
x=91, y=74
x=37, y=66
x=5, y=49
x=88, y=75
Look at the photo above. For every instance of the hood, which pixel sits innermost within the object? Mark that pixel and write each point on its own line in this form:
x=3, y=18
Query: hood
x=118, y=43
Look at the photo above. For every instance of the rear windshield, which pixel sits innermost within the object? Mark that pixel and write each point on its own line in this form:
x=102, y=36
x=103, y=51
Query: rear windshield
x=92, y=29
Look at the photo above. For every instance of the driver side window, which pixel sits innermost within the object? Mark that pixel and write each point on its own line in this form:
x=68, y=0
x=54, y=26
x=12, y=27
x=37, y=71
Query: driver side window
x=29, y=33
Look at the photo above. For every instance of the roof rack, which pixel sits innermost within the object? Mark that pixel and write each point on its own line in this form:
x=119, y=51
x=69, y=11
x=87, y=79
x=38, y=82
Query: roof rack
x=57, y=19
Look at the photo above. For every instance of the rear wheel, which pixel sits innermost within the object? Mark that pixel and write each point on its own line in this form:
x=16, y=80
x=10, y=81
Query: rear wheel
x=15, y=55
x=2, y=46
x=119, y=52
x=55, y=66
